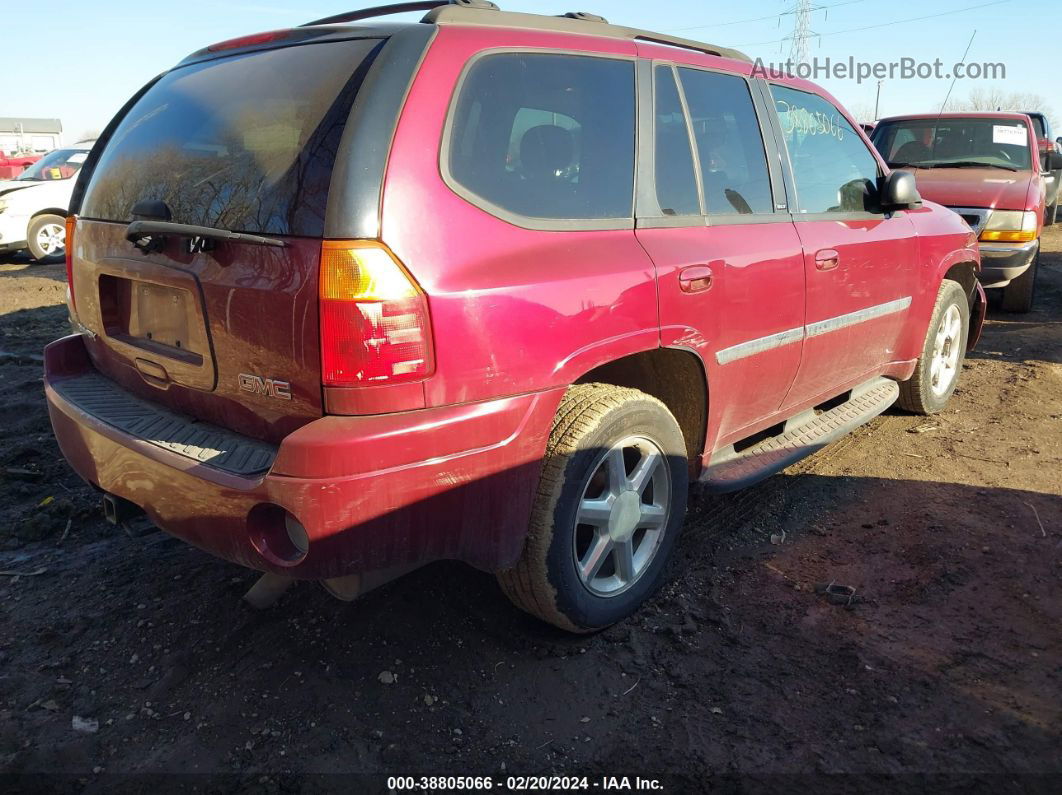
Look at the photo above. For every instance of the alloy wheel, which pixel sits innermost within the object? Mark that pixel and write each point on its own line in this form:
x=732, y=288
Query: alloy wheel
x=51, y=239
x=947, y=347
x=622, y=516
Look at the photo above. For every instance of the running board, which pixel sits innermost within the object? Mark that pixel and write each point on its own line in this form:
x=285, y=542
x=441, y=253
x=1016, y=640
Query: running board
x=803, y=435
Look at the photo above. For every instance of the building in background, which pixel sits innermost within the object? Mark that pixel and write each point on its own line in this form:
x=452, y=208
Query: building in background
x=30, y=135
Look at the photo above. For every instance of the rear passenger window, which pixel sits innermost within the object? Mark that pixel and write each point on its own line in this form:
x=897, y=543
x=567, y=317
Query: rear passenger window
x=729, y=144
x=546, y=136
x=676, y=181
x=833, y=169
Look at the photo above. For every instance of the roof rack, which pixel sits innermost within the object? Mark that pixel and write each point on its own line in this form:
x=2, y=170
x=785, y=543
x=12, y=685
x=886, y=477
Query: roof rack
x=572, y=22
x=400, y=8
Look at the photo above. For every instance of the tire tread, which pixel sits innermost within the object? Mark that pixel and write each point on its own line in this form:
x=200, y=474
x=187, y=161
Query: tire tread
x=583, y=407
x=914, y=392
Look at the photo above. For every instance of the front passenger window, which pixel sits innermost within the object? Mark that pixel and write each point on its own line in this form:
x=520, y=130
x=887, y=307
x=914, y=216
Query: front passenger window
x=833, y=169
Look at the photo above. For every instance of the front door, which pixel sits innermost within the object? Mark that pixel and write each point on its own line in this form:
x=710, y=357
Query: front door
x=860, y=263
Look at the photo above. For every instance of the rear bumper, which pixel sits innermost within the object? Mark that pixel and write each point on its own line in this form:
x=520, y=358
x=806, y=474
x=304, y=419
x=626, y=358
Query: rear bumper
x=1002, y=262
x=373, y=493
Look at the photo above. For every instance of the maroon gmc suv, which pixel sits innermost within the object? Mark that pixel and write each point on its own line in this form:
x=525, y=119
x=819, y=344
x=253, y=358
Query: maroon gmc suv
x=358, y=296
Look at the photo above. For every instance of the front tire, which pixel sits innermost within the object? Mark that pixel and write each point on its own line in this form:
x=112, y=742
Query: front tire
x=937, y=372
x=1018, y=296
x=46, y=237
x=610, y=504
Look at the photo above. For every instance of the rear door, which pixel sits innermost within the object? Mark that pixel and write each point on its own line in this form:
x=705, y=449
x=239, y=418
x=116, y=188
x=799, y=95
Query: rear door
x=728, y=257
x=223, y=331
x=861, y=264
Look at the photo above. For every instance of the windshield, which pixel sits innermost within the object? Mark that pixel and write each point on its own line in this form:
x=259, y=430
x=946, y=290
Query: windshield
x=60, y=164
x=940, y=143
x=245, y=143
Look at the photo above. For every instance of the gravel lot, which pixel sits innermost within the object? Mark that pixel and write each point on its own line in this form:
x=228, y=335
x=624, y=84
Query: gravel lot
x=948, y=663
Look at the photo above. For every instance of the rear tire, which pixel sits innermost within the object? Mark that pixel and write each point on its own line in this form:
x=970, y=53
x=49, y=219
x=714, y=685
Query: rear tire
x=46, y=237
x=609, y=507
x=938, y=368
x=1018, y=296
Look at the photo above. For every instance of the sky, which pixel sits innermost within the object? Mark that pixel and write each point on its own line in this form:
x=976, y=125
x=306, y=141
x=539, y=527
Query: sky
x=88, y=58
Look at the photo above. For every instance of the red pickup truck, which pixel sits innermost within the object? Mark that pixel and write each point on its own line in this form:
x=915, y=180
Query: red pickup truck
x=988, y=168
x=13, y=165
x=494, y=290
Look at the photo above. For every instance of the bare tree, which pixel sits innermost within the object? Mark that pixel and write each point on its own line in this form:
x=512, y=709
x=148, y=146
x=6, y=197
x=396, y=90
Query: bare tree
x=1000, y=99
x=862, y=112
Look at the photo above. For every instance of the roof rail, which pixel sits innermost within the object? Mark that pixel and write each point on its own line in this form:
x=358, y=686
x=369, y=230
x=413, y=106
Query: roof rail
x=399, y=8
x=572, y=22
x=585, y=16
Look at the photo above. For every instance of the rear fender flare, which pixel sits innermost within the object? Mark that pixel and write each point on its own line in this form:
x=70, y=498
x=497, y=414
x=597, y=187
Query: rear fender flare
x=589, y=357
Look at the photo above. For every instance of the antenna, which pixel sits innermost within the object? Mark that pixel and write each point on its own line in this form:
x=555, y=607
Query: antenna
x=952, y=86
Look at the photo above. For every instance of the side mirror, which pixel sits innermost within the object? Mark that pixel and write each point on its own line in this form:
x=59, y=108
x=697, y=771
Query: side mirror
x=901, y=192
x=1054, y=161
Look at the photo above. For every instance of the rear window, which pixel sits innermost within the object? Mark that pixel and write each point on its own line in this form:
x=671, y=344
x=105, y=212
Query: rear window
x=245, y=143
x=546, y=136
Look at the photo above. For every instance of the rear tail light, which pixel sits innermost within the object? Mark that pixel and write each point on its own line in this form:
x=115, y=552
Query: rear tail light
x=375, y=327
x=68, y=245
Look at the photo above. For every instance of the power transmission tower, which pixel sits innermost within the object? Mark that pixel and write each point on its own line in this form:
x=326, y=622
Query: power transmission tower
x=802, y=32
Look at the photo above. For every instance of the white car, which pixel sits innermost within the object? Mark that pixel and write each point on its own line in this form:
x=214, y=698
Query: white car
x=33, y=205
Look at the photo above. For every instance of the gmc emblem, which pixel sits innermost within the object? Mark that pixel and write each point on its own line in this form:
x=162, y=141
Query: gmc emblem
x=269, y=387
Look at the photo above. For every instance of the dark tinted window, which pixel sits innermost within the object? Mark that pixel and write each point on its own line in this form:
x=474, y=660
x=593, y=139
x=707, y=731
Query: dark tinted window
x=245, y=143
x=729, y=145
x=676, y=180
x=547, y=136
x=833, y=169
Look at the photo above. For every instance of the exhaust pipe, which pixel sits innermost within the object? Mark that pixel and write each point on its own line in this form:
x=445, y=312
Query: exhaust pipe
x=117, y=510
x=127, y=515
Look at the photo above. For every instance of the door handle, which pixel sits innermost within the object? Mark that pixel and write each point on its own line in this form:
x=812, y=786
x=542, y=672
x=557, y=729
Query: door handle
x=695, y=279
x=827, y=259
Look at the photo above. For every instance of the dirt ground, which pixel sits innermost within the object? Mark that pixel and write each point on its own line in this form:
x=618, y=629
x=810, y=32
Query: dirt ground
x=945, y=671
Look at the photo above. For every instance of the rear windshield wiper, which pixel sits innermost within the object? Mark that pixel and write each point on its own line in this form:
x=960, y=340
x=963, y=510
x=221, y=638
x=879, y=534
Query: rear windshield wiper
x=150, y=235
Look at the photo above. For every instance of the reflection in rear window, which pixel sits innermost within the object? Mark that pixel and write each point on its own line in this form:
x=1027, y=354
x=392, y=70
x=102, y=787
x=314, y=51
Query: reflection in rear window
x=245, y=143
